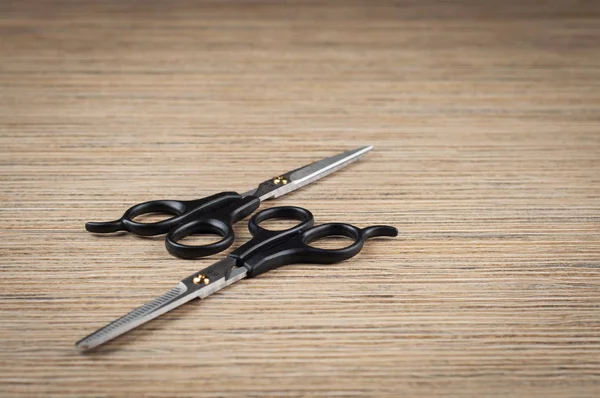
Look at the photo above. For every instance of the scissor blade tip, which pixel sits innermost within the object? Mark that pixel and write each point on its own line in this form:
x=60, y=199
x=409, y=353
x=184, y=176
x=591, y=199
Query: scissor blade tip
x=81, y=347
x=364, y=149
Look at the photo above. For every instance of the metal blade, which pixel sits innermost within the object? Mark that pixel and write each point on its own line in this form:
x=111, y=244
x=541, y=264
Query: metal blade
x=298, y=178
x=199, y=285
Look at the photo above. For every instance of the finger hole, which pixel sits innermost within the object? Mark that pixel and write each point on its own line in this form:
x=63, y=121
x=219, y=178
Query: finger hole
x=332, y=242
x=278, y=224
x=283, y=218
x=149, y=218
x=201, y=239
x=153, y=210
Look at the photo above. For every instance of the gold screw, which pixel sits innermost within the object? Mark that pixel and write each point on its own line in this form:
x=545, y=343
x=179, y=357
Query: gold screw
x=280, y=180
x=201, y=278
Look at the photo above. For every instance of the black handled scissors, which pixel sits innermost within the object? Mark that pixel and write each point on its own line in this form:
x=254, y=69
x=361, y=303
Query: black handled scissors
x=266, y=250
x=216, y=214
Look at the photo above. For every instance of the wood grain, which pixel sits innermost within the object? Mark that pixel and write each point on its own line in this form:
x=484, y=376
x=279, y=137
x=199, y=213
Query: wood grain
x=485, y=117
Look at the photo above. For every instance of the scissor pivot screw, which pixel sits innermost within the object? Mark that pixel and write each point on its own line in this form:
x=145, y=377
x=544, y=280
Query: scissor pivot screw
x=281, y=180
x=201, y=278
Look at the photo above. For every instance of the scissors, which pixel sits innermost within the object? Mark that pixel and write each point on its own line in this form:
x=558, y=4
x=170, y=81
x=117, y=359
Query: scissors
x=216, y=214
x=265, y=251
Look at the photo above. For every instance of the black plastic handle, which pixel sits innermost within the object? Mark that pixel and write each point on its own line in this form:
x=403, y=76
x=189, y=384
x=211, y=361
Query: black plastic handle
x=298, y=250
x=219, y=222
x=180, y=209
x=263, y=238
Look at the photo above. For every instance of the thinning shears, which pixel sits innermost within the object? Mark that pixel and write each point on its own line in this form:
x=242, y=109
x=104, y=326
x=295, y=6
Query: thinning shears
x=216, y=214
x=266, y=250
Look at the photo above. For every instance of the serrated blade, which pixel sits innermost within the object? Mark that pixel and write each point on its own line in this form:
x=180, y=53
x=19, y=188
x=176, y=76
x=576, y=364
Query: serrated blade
x=219, y=275
x=172, y=299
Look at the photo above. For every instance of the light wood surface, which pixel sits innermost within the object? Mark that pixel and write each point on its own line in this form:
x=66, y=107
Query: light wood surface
x=485, y=117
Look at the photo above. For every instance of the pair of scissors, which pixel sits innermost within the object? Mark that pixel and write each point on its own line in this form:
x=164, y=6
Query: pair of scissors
x=266, y=250
x=216, y=214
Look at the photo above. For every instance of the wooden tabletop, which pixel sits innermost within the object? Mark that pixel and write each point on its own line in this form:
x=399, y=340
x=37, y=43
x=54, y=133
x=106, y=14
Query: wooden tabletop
x=485, y=118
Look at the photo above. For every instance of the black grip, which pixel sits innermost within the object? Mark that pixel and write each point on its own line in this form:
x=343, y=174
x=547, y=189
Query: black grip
x=208, y=226
x=104, y=227
x=219, y=223
x=179, y=210
x=263, y=238
x=298, y=249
